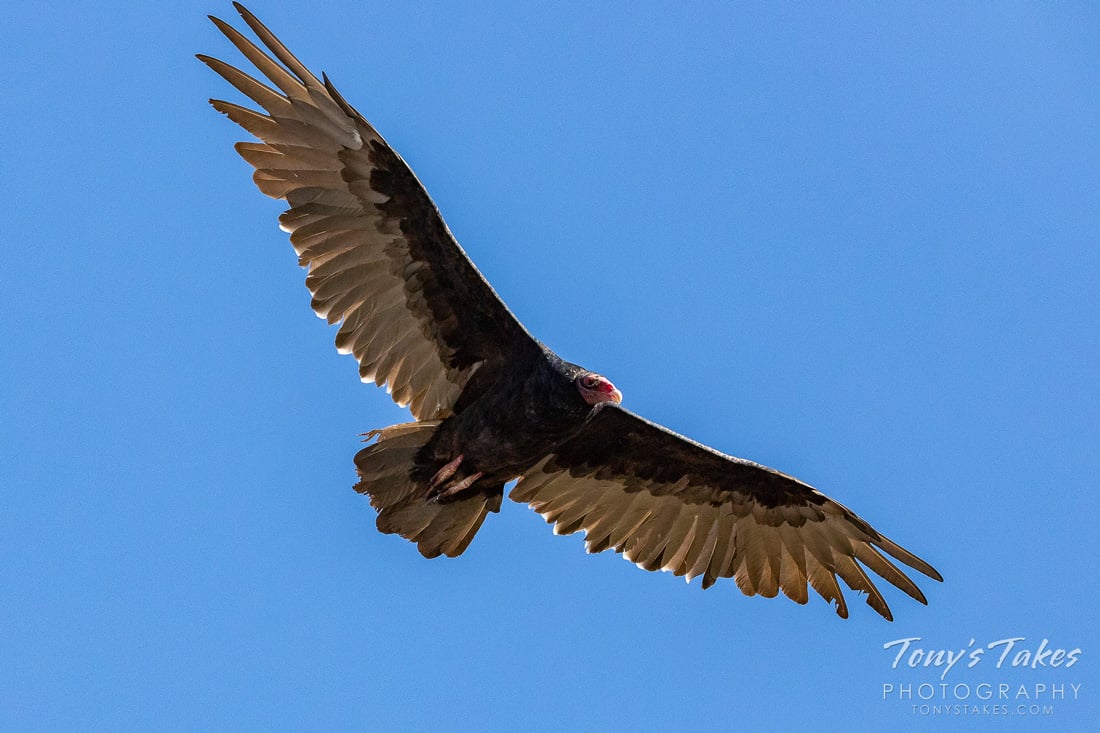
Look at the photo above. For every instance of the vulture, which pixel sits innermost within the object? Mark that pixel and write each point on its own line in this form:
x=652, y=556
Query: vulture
x=493, y=405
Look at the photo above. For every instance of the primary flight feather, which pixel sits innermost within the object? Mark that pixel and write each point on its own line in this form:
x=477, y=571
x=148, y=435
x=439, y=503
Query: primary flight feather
x=491, y=403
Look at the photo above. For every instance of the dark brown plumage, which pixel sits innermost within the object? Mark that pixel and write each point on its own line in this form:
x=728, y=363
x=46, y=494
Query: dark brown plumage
x=491, y=403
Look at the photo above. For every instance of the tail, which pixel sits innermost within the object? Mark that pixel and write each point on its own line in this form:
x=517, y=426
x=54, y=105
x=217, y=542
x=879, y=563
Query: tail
x=403, y=504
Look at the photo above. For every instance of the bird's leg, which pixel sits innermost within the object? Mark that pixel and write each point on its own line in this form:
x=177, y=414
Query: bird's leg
x=460, y=485
x=446, y=472
x=439, y=488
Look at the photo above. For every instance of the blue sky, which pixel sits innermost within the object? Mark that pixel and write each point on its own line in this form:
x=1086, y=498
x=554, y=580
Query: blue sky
x=855, y=242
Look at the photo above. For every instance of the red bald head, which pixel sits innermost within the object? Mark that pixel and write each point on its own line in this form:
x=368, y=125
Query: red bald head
x=596, y=389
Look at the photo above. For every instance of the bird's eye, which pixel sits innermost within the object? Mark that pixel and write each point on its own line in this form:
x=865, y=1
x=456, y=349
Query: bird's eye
x=590, y=381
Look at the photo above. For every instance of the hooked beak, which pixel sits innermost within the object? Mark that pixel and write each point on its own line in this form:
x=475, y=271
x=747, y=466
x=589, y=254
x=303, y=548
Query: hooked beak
x=599, y=393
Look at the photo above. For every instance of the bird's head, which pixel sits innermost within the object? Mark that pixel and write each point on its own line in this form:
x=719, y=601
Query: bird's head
x=595, y=388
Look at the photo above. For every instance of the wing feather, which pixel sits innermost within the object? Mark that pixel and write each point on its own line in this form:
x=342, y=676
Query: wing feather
x=668, y=503
x=700, y=558
x=646, y=543
x=609, y=507
x=792, y=578
x=675, y=555
x=724, y=547
x=415, y=312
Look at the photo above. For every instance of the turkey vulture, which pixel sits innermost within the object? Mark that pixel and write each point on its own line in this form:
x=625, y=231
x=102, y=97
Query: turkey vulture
x=491, y=403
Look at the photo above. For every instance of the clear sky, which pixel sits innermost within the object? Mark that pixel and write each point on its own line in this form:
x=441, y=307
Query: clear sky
x=856, y=242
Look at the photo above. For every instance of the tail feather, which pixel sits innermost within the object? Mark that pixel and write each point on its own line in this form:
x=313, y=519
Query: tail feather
x=404, y=508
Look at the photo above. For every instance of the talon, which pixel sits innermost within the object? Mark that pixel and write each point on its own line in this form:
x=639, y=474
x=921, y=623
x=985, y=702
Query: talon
x=446, y=472
x=461, y=485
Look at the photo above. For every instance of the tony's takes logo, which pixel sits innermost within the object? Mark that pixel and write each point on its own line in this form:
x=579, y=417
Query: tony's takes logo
x=1009, y=652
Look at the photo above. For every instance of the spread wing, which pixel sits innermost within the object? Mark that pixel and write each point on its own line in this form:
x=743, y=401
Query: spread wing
x=669, y=503
x=418, y=316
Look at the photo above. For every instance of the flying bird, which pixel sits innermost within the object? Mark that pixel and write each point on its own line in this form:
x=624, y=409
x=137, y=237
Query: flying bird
x=491, y=403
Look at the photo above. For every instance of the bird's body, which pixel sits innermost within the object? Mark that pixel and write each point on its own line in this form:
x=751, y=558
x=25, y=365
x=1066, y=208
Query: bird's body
x=484, y=432
x=490, y=403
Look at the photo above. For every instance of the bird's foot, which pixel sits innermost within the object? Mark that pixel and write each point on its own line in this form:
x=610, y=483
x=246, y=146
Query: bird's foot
x=446, y=472
x=458, y=486
x=439, y=488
